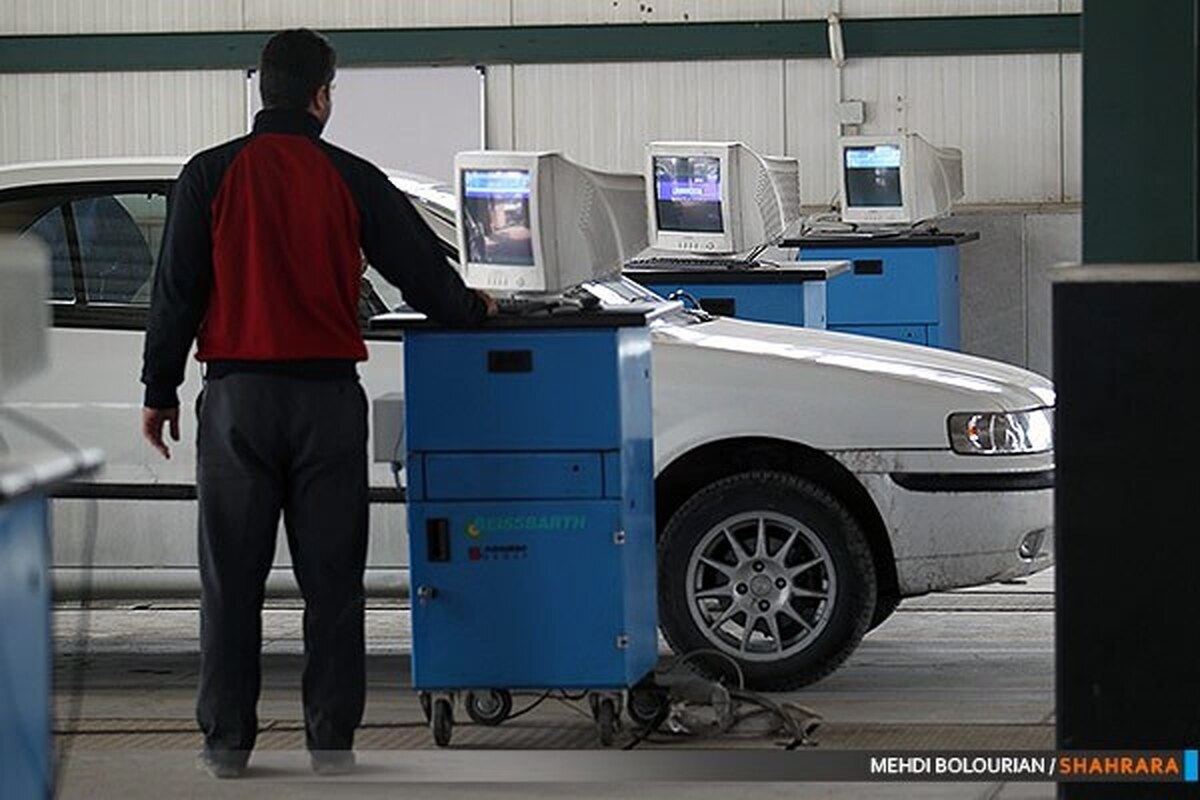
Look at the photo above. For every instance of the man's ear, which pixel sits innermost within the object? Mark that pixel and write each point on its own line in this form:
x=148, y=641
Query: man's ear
x=322, y=102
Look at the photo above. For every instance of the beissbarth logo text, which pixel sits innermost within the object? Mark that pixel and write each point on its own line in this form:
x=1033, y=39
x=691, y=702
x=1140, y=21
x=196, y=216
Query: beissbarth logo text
x=481, y=525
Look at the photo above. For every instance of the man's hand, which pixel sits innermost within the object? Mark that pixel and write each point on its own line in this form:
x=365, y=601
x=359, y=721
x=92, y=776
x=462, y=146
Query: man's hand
x=153, y=420
x=488, y=301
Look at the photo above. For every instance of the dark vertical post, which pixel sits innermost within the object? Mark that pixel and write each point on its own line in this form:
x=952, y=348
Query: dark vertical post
x=1140, y=122
x=1126, y=340
x=1127, y=369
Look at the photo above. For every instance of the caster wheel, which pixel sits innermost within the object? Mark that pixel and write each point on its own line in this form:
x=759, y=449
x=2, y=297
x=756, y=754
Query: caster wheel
x=645, y=705
x=442, y=721
x=606, y=721
x=426, y=705
x=490, y=707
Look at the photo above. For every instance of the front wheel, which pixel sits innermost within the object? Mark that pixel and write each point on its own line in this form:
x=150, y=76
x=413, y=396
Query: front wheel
x=442, y=721
x=647, y=705
x=489, y=707
x=771, y=572
x=606, y=721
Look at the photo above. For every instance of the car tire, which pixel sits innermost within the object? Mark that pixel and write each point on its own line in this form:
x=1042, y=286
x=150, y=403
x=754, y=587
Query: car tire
x=885, y=606
x=787, y=609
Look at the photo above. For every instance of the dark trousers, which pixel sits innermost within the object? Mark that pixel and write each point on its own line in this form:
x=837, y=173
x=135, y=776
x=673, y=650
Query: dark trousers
x=269, y=444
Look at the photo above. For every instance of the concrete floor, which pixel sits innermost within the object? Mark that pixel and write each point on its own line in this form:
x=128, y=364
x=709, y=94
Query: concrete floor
x=961, y=670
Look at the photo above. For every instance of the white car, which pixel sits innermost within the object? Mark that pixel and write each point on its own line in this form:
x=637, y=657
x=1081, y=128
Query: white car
x=806, y=481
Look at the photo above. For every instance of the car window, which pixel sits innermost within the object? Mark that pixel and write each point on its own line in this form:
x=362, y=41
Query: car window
x=103, y=243
x=119, y=236
x=51, y=229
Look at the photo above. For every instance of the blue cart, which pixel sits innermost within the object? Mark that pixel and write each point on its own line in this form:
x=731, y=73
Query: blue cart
x=531, y=512
x=25, y=644
x=902, y=287
x=791, y=293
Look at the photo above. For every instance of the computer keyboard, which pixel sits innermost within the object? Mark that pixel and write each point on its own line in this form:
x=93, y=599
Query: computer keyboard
x=518, y=306
x=692, y=263
x=870, y=234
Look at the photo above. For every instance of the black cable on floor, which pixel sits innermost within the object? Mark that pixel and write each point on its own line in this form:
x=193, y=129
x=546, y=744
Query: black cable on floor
x=664, y=711
x=570, y=703
x=529, y=707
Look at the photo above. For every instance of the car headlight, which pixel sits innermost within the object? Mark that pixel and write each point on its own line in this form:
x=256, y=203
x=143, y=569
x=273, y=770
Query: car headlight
x=1002, y=433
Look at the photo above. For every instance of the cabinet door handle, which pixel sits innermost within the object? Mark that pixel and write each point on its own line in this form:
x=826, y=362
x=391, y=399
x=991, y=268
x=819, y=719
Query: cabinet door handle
x=868, y=266
x=437, y=539
x=510, y=360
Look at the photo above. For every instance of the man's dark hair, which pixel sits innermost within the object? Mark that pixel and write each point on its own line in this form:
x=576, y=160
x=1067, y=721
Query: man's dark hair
x=293, y=66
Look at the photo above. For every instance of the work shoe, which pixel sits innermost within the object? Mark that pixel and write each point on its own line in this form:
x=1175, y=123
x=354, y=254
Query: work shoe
x=221, y=765
x=332, y=762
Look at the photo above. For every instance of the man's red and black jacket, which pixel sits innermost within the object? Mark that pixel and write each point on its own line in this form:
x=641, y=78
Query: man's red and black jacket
x=262, y=258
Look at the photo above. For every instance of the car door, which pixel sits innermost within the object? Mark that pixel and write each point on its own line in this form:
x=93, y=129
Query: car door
x=131, y=528
x=103, y=239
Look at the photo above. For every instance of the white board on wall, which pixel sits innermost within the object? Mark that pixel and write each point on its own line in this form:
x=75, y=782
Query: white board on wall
x=406, y=118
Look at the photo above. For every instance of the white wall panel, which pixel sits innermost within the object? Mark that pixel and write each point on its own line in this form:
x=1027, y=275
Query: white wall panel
x=1071, y=6
x=604, y=114
x=106, y=16
x=80, y=115
x=272, y=14
x=1017, y=118
x=808, y=9
x=1002, y=111
x=812, y=128
x=499, y=107
x=1072, y=131
x=565, y=12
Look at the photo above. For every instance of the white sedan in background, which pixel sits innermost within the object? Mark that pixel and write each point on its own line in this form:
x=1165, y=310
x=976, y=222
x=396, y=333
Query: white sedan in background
x=806, y=481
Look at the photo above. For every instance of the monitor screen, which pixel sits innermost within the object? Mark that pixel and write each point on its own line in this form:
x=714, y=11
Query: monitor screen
x=872, y=175
x=687, y=192
x=496, y=217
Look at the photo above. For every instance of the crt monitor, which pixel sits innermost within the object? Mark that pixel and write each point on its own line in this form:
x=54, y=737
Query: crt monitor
x=687, y=193
x=538, y=222
x=785, y=176
x=496, y=205
x=897, y=179
x=717, y=197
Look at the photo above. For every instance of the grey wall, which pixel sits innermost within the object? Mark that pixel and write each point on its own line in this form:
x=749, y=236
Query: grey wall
x=1004, y=279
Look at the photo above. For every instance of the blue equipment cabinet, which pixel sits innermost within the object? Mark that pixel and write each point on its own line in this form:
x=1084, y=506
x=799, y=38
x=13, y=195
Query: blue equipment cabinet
x=530, y=505
x=789, y=294
x=901, y=287
x=24, y=649
x=25, y=645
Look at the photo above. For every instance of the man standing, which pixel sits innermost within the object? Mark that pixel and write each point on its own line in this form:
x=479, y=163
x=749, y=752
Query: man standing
x=260, y=264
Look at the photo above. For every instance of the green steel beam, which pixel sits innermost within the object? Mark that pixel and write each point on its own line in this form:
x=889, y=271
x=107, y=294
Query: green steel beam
x=1025, y=33
x=1028, y=33
x=1141, y=131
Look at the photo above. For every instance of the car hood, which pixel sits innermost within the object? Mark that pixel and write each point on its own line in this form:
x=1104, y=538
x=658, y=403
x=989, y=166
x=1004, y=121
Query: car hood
x=837, y=391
